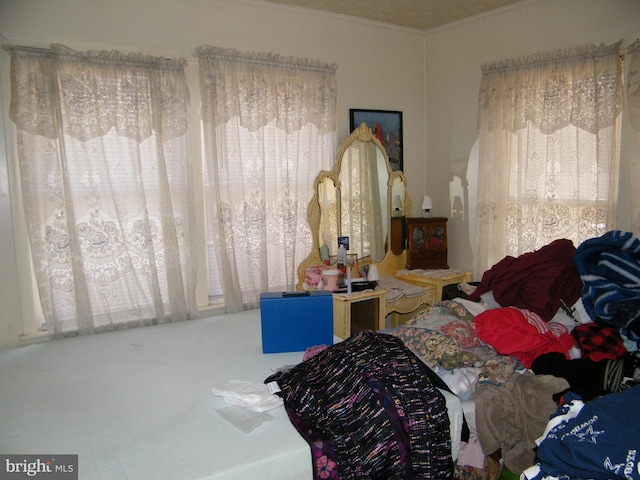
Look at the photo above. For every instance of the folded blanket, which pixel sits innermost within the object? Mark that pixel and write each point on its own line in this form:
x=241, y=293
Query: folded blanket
x=609, y=267
x=397, y=288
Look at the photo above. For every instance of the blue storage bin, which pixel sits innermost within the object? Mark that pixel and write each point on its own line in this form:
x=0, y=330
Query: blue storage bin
x=295, y=321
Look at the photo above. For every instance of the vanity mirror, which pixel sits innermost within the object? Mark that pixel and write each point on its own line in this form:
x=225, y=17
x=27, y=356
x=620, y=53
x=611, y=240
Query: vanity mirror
x=356, y=199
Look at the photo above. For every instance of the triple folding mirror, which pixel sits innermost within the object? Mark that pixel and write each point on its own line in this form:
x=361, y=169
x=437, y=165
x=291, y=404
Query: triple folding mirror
x=356, y=199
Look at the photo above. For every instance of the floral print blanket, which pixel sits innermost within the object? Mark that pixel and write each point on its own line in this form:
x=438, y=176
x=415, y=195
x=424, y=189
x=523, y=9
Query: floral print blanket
x=444, y=335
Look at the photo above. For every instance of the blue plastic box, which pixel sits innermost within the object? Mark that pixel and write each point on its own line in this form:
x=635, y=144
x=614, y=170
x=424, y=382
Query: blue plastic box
x=295, y=321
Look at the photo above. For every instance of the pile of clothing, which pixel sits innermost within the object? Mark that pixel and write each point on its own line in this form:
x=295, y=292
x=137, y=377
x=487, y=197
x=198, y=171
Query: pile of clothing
x=369, y=408
x=570, y=314
x=609, y=266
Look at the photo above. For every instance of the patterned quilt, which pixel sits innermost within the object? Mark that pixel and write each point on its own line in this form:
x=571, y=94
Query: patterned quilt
x=443, y=335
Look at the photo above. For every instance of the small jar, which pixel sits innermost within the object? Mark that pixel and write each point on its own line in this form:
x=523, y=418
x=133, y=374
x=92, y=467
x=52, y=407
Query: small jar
x=330, y=279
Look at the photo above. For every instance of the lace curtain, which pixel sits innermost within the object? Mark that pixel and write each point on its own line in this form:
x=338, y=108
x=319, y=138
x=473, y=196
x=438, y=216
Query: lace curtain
x=269, y=128
x=549, y=130
x=633, y=105
x=106, y=183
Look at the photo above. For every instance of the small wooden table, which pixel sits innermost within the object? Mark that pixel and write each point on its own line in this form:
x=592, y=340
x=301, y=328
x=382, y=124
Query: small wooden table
x=358, y=311
x=436, y=277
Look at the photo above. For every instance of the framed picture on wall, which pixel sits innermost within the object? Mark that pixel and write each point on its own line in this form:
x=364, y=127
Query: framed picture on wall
x=386, y=126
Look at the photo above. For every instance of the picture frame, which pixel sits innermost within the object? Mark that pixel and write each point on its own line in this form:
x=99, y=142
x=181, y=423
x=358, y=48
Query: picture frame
x=386, y=126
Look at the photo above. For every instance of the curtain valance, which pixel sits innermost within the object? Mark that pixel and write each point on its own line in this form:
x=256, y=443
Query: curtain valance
x=289, y=91
x=540, y=89
x=95, y=92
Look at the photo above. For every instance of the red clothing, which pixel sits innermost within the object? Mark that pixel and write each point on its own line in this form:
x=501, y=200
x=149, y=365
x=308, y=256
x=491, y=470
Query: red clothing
x=536, y=281
x=598, y=342
x=519, y=333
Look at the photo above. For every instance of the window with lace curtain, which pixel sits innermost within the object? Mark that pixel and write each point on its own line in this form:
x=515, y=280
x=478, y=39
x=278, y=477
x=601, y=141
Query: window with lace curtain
x=549, y=128
x=268, y=129
x=106, y=186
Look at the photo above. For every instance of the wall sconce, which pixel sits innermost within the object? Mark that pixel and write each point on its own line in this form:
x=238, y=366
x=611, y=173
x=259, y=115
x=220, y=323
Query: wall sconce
x=427, y=205
x=397, y=206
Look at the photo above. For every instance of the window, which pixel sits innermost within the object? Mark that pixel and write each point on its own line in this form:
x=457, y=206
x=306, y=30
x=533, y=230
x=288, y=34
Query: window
x=106, y=184
x=269, y=128
x=548, y=150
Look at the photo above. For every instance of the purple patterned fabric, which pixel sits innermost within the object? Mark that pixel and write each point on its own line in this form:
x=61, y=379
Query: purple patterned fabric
x=368, y=409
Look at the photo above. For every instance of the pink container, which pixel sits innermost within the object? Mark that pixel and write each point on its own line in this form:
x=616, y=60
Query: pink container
x=330, y=279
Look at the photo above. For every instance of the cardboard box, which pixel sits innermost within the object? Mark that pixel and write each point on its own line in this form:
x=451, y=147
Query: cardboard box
x=295, y=321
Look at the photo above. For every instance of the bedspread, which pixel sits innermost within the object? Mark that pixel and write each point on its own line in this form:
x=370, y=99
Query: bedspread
x=444, y=335
x=137, y=404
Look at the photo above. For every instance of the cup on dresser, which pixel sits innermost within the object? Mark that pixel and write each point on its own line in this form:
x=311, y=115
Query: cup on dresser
x=330, y=279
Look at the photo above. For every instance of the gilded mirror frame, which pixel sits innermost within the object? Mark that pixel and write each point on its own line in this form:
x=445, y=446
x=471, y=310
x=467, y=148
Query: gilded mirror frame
x=390, y=262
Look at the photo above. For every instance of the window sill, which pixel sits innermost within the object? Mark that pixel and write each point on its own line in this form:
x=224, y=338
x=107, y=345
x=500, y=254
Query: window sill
x=33, y=338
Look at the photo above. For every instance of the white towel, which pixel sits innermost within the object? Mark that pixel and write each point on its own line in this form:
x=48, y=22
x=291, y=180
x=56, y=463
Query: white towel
x=252, y=396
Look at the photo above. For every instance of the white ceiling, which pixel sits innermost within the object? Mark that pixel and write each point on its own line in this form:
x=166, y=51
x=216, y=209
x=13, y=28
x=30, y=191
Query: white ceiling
x=419, y=14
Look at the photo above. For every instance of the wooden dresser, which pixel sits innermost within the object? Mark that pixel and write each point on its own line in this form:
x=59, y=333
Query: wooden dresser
x=426, y=242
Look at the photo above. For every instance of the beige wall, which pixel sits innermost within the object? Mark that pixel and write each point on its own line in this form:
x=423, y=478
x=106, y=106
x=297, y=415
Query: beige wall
x=432, y=78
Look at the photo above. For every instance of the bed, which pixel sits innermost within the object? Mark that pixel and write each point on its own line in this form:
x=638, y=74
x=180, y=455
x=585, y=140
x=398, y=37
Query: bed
x=524, y=357
x=138, y=403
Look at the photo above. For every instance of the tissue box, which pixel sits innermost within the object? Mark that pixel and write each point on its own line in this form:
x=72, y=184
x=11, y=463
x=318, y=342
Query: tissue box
x=295, y=321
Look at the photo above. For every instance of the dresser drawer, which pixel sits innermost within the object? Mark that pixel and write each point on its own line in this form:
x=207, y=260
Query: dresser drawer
x=426, y=263
x=429, y=255
x=430, y=259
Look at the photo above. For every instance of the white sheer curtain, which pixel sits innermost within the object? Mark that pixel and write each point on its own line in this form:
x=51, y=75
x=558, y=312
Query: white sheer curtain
x=269, y=128
x=549, y=129
x=106, y=183
x=633, y=105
